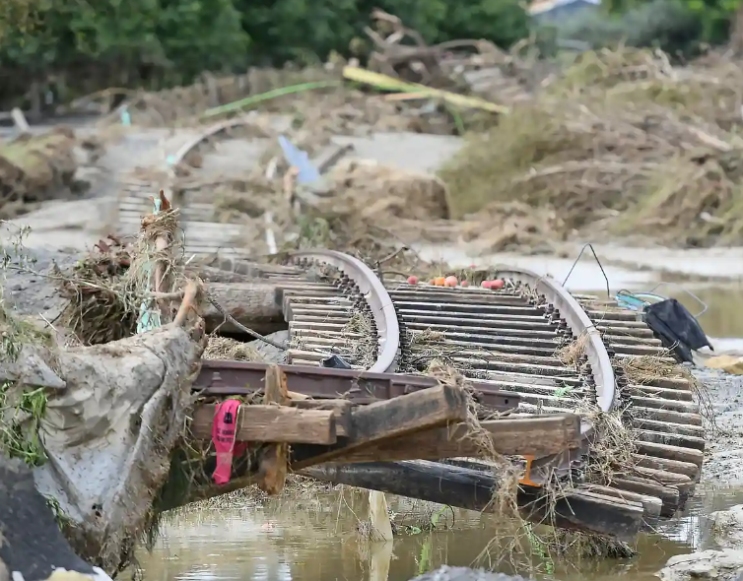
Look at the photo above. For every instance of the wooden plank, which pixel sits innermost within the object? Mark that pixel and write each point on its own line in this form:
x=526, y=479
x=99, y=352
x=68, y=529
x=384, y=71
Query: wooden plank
x=274, y=460
x=669, y=495
x=686, y=468
x=538, y=436
x=668, y=452
x=475, y=489
x=650, y=504
x=275, y=424
x=401, y=416
x=341, y=410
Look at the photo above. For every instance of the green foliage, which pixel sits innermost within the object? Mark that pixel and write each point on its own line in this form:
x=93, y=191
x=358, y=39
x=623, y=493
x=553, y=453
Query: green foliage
x=713, y=17
x=666, y=24
x=164, y=42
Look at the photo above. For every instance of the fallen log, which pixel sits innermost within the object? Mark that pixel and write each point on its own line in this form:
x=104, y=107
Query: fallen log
x=251, y=304
x=475, y=490
x=36, y=290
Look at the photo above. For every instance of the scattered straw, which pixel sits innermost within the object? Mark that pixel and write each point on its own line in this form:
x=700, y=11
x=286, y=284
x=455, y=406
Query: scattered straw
x=359, y=341
x=107, y=290
x=571, y=354
x=229, y=349
x=621, y=141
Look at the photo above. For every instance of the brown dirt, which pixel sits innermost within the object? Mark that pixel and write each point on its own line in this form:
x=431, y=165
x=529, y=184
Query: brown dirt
x=35, y=169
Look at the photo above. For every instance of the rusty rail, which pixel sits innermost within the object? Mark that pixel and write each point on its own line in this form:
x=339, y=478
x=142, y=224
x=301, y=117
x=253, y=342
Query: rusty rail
x=225, y=378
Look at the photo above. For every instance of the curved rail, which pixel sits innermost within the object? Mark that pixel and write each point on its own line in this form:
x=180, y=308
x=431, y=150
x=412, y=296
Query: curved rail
x=375, y=295
x=186, y=148
x=579, y=323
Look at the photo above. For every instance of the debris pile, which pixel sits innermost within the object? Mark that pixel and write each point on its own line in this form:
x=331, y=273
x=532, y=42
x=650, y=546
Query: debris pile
x=622, y=140
x=375, y=192
x=619, y=142
x=419, y=76
x=39, y=168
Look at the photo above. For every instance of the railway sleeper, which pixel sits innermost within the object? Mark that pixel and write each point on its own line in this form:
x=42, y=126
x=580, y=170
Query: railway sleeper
x=510, y=340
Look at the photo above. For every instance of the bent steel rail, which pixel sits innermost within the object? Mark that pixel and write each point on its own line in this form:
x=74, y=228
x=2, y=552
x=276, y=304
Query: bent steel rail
x=579, y=323
x=373, y=292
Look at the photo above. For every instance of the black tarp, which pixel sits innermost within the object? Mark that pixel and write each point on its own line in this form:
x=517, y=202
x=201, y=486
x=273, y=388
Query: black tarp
x=32, y=546
x=677, y=328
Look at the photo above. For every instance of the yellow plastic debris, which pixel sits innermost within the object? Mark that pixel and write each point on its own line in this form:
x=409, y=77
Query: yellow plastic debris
x=727, y=363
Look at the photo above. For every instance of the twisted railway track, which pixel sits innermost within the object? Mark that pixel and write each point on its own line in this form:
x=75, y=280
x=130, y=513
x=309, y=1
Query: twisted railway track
x=511, y=340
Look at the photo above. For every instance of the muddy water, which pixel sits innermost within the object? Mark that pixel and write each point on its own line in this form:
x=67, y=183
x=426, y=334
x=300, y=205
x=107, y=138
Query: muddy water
x=723, y=319
x=315, y=538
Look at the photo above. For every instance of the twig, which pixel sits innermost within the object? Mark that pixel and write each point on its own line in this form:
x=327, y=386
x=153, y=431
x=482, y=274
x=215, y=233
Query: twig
x=242, y=327
x=189, y=296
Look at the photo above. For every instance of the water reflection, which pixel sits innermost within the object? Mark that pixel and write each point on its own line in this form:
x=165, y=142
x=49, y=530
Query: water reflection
x=316, y=540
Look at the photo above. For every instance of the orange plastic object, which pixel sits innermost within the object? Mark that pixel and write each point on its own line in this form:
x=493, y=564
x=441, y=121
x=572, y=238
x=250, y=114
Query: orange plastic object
x=527, y=473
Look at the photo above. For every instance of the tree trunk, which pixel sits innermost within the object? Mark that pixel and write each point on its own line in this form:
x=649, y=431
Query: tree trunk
x=251, y=304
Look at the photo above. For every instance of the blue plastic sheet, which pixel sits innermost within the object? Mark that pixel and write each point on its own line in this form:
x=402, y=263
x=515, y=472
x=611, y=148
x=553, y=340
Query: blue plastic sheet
x=298, y=158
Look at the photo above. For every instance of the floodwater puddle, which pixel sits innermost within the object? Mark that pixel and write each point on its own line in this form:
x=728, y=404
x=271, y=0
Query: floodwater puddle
x=294, y=538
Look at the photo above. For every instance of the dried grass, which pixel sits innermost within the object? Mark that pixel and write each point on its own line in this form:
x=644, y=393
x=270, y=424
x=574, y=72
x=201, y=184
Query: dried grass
x=107, y=290
x=359, y=341
x=505, y=500
x=646, y=369
x=571, y=354
x=223, y=348
x=620, y=139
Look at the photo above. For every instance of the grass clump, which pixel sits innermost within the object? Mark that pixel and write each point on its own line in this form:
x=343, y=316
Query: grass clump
x=21, y=412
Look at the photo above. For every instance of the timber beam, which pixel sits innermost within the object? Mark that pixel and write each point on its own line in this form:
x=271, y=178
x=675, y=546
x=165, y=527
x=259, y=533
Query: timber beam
x=345, y=428
x=475, y=490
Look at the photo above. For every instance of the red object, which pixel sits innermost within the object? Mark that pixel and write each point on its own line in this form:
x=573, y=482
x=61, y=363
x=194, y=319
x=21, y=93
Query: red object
x=486, y=283
x=465, y=283
x=224, y=435
x=412, y=280
x=496, y=284
x=450, y=281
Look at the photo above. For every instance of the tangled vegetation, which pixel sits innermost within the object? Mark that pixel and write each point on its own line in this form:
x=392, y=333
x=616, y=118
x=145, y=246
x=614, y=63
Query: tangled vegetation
x=622, y=142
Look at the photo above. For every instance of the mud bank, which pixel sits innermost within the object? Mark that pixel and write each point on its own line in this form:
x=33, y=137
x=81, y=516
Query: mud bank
x=723, y=411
